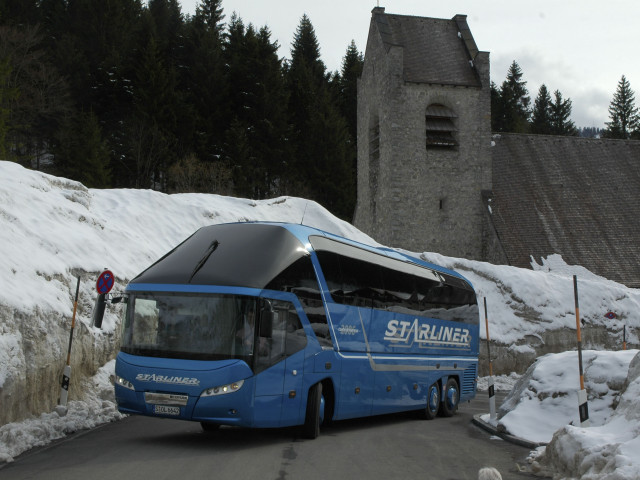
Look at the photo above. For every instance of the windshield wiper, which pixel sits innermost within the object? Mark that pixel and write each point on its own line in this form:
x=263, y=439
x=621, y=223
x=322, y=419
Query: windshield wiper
x=203, y=260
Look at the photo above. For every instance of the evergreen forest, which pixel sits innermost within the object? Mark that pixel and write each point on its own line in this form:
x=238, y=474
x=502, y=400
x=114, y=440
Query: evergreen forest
x=133, y=94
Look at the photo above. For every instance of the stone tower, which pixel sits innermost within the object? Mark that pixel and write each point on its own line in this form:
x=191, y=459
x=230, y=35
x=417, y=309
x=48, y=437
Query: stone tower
x=424, y=134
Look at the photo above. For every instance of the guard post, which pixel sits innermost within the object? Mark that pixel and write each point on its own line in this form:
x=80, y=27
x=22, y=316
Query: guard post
x=492, y=398
x=583, y=407
x=66, y=374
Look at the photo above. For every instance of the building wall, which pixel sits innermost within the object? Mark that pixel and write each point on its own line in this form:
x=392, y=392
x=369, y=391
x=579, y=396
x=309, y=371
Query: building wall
x=410, y=196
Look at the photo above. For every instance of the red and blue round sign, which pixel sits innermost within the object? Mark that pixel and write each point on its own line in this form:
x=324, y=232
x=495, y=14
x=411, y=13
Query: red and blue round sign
x=105, y=282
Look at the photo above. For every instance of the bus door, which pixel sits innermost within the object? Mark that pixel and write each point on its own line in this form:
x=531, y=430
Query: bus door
x=356, y=380
x=278, y=364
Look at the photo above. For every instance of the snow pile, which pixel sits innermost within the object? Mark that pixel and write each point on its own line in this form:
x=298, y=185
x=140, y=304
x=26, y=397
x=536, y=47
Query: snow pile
x=603, y=452
x=546, y=396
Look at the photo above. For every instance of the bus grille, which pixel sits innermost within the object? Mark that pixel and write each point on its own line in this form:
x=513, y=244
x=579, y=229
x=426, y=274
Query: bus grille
x=468, y=380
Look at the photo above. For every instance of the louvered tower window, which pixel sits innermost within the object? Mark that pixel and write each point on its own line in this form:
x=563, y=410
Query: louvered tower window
x=440, y=126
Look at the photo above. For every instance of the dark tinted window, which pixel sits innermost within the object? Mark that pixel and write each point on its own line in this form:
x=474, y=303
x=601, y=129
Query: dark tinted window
x=360, y=283
x=300, y=279
x=351, y=281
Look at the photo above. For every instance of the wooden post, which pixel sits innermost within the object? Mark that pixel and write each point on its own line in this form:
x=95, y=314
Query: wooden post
x=583, y=407
x=66, y=376
x=492, y=398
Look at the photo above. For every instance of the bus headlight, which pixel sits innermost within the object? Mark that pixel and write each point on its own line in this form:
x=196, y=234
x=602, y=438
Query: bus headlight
x=223, y=389
x=124, y=383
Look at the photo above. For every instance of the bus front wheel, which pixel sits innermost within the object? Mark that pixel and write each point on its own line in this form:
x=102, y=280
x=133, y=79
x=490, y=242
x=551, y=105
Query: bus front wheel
x=312, y=420
x=449, y=404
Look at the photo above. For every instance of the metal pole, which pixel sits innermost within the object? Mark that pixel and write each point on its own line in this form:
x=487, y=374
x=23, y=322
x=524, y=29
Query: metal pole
x=492, y=398
x=583, y=407
x=66, y=376
x=624, y=337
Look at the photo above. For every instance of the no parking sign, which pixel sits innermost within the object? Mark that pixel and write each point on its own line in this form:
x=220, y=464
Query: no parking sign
x=105, y=282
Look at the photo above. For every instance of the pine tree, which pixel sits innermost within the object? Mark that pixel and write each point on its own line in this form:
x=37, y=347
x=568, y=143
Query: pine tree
x=541, y=117
x=151, y=130
x=81, y=154
x=352, y=64
x=204, y=81
x=514, y=100
x=258, y=101
x=622, y=112
x=321, y=167
x=8, y=95
x=497, y=109
x=19, y=12
x=40, y=95
x=305, y=76
x=560, y=114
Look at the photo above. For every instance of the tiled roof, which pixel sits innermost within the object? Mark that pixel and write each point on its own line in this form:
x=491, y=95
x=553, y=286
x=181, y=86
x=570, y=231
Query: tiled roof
x=573, y=196
x=435, y=50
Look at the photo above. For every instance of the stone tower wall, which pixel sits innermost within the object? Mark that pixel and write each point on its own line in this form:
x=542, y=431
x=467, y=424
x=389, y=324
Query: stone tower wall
x=411, y=196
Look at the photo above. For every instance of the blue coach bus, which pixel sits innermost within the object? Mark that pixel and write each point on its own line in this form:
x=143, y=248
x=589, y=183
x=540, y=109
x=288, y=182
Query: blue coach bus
x=275, y=325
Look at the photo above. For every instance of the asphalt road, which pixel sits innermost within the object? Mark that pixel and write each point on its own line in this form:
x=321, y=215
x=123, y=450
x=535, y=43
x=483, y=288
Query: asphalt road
x=386, y=447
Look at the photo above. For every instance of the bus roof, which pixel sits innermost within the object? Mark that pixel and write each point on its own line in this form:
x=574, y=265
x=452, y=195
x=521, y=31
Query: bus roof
x=249, y=254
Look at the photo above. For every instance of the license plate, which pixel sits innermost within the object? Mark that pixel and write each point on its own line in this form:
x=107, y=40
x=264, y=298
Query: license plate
x=165, y=410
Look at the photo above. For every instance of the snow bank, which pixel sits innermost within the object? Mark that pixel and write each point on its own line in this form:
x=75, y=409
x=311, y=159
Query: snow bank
x=545, y=398
x=604, y=451
x=53, y=230
x=96, y=407
x=528, y=303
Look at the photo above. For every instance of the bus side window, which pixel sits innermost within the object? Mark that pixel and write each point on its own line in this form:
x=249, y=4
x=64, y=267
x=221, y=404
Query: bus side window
x=300, y=278
x=281, y=333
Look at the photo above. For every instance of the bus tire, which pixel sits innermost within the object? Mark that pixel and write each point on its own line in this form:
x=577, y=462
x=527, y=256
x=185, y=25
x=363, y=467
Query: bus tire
x=433, y=402
x=209, y=427
x=449, y=404
x=311, y=427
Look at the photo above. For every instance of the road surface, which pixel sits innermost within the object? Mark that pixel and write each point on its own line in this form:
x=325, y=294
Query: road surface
x=386, y=447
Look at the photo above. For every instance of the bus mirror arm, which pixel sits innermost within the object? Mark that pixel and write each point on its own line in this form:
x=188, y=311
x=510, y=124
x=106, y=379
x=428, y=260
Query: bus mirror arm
x=117, y=299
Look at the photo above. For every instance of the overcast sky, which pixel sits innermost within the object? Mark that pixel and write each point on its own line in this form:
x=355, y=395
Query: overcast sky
x=581, y=48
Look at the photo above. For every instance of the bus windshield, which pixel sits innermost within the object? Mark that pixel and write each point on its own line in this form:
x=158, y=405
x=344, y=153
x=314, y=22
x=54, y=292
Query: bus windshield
x=198, y=327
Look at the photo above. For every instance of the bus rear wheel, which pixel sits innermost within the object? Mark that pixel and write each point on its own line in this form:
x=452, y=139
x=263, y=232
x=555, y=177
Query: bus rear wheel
x=313, y=417
x=449, y=405
x=433, y=402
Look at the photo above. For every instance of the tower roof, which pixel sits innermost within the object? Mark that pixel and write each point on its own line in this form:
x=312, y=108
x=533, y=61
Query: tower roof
x=435, y=50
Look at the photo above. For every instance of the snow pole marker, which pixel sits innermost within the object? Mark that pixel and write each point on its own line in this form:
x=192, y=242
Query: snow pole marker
x=492, y=398
x=583, y=406
x=624, y=337
x=66, y=375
